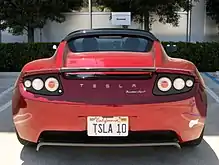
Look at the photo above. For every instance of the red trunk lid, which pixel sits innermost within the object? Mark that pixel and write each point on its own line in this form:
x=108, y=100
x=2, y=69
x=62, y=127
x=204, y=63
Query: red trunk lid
x=110, y=59
x=133, y=87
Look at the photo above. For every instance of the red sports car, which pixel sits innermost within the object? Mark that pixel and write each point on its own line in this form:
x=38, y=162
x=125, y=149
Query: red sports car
x=110, y=87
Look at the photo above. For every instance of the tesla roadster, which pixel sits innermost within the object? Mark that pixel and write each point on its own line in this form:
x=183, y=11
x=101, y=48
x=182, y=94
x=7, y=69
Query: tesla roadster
x=110, y=87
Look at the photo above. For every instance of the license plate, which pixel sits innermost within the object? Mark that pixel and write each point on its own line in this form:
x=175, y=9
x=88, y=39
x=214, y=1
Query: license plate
x=107, y=126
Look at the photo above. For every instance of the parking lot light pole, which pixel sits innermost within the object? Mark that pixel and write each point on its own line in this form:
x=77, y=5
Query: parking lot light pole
x=90, y=12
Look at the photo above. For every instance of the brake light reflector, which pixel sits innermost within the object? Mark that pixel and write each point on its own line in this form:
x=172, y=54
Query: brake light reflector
x=52, y=84
x=164, y=84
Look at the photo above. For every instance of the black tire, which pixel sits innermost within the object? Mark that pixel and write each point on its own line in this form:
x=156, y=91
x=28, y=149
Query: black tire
x=24, y=142
x=194, y=143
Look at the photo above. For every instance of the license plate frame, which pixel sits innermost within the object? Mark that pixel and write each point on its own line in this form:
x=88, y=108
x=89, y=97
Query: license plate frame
x=115, y=126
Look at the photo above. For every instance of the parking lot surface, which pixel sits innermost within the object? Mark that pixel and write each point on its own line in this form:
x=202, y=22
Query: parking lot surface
x=13, y=153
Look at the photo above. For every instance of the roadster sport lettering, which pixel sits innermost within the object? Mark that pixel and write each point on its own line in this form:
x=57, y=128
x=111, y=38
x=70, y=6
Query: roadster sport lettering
x=110, y=87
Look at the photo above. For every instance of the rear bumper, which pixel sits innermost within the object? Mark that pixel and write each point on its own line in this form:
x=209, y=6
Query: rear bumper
x=33, y=118
x=106, y=145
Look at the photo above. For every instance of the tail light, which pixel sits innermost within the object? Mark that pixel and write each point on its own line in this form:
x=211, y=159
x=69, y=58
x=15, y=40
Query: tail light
x=169, y=84
x=164, y=84
x=179, y=83
x=43, y=84
x=52, y=84
x=37, y=84
x=27, y=83
x=189, y=83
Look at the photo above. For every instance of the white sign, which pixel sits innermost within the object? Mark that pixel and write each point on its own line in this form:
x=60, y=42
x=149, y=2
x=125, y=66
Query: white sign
x=107, y=126
x=121, y=18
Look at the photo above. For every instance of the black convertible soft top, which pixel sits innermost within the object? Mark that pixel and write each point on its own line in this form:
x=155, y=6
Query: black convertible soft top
x=110, y=31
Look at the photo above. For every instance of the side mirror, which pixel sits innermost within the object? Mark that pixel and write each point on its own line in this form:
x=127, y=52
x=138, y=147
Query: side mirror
x=54, y=47
x=171, y=48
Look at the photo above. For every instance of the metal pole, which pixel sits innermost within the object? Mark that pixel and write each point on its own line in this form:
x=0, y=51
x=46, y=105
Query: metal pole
x=143, y=22
x=190, y=23
x=0, y=36
x=187, y=22
x=40, y=34
x=90, y=12
x=0, y=33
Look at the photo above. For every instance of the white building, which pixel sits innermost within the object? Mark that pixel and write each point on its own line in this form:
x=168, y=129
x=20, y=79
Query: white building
x=202, y=27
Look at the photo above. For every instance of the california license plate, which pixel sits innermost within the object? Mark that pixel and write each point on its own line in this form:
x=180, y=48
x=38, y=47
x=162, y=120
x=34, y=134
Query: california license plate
x=107, y=126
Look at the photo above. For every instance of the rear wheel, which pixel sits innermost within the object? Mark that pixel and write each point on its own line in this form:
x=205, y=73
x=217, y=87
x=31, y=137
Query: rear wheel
x=24, y=142
x=194, y=143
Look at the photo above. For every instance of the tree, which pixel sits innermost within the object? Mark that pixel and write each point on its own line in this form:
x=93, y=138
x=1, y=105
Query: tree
x=142, y=10
x=27, y=15
x=212, y=8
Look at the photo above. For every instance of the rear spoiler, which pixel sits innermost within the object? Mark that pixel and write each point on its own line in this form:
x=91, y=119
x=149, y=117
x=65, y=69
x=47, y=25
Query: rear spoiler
x=108, y=69
x=88, y=69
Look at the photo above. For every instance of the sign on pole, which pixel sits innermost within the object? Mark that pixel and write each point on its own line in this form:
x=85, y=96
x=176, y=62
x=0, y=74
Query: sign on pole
x=121, y=18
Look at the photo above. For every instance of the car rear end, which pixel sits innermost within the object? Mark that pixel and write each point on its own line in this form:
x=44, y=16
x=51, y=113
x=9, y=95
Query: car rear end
x=109, y=98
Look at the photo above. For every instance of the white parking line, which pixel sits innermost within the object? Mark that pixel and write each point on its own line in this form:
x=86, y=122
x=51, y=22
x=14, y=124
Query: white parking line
x=213, y=94
x=8, y=104
x=6, y=91
x=5, y=106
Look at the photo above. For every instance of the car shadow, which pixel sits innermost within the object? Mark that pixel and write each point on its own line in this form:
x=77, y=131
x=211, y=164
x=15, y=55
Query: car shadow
x=202, y=155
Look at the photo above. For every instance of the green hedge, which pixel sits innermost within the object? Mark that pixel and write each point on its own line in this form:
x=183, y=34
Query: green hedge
x=204, y=55
x=15, y=55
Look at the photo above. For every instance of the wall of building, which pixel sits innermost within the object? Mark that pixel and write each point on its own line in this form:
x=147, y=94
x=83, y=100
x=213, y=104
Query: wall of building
x=202, y=27
x=55, y=31
x=169, y=33
x=7, y=37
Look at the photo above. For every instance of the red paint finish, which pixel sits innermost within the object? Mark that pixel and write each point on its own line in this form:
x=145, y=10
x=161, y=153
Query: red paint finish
x=110, y=59
x=72, y=117
x=34, y=113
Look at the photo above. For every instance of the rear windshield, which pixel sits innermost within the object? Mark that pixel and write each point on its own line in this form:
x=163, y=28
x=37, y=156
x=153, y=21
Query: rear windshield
x=110, y=43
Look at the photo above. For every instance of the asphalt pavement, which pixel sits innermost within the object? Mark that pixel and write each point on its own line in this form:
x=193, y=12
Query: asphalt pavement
x=13, y=153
